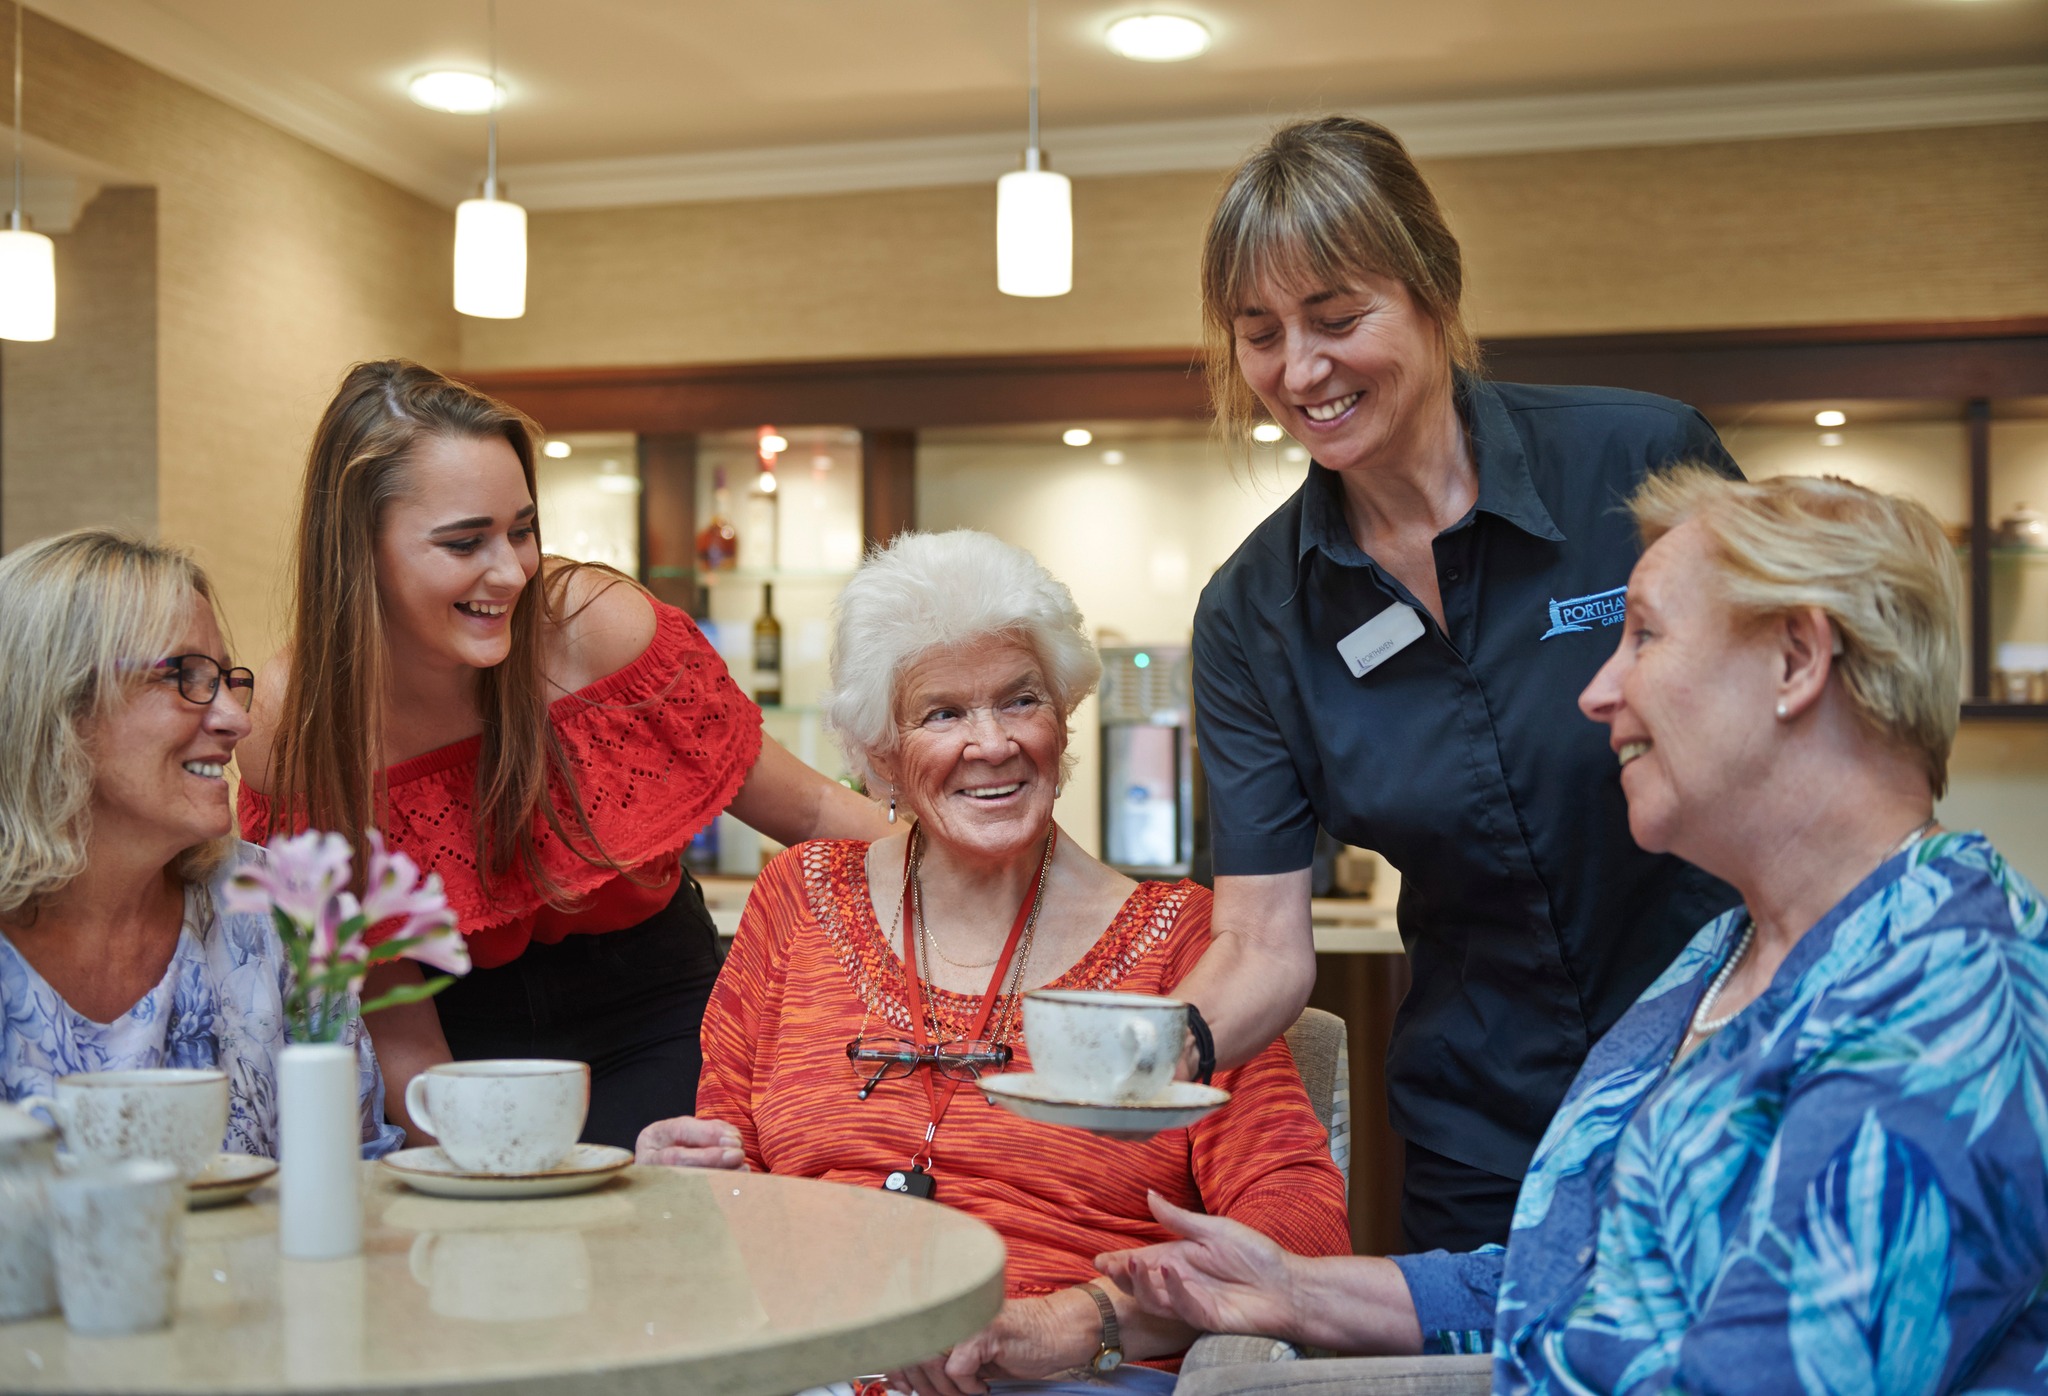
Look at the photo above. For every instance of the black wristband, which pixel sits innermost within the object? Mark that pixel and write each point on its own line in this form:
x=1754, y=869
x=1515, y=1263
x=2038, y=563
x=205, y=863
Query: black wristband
x=1205, y=1045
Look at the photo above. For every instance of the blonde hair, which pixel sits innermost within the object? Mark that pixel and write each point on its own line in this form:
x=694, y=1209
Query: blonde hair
x=936, y=591
x=76, y=612
x=1331, y=198
x=1877, y=565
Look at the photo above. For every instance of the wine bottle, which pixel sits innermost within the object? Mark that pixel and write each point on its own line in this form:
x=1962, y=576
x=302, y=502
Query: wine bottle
x=718, y=545
x=768, y=651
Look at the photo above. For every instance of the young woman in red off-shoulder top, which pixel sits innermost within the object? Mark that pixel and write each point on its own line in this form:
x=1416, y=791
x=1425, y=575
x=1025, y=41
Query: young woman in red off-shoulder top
x=540, y=733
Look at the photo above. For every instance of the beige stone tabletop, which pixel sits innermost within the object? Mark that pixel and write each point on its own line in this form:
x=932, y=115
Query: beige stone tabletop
x=665, y=1280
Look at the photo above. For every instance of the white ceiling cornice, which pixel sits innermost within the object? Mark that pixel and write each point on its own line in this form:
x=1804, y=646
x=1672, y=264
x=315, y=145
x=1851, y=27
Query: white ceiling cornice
x=1667, y=116
x=1664, y=116
x=315, y=114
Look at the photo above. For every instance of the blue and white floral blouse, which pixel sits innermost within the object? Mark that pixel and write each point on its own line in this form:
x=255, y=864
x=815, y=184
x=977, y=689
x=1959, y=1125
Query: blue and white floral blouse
x=220, y=1004
x=1844, y=1190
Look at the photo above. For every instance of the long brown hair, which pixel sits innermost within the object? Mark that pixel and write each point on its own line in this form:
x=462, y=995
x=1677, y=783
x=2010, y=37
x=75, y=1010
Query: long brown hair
x=326, y=754
x=1332, y=197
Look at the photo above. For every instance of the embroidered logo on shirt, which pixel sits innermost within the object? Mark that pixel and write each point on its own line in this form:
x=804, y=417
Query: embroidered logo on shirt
x=1585, y=612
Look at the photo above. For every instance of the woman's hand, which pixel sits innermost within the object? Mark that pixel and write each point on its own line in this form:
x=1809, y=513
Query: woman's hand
x=688, y=1142
x=1223, y=1277
x=1030, y=1338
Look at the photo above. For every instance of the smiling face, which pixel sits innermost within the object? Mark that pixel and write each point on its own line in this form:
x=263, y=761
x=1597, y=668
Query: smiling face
x=455, y=552
x=978, y=752
x=159, y=778
x=1356, y=373
x=1688, y=699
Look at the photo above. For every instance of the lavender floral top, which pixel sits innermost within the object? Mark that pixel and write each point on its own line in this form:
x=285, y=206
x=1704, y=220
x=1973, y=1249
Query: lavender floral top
x=219, y=1004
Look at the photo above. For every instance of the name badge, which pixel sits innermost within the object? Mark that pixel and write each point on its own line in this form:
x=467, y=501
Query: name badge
x=1386, y=634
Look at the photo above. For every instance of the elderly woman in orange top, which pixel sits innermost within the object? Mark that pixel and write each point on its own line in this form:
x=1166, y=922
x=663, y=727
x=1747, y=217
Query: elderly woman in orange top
x=957, y=662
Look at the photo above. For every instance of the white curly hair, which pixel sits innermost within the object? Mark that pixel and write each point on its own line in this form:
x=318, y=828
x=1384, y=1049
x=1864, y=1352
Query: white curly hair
x=939, y=591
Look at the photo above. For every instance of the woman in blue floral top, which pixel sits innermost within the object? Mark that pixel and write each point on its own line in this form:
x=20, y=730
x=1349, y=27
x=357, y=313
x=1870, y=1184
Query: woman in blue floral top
x=1813, y=1157
x=120, y=712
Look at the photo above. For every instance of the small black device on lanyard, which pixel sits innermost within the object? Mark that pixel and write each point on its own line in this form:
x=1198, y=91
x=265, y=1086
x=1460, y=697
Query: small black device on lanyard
x=913, y=1181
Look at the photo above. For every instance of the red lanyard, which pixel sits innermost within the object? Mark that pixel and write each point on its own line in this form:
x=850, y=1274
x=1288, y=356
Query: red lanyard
x=941, y=1098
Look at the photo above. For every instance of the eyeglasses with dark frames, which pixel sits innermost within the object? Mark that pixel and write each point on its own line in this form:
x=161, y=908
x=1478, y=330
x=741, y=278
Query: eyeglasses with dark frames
x=879, y=1059
x=199, y=677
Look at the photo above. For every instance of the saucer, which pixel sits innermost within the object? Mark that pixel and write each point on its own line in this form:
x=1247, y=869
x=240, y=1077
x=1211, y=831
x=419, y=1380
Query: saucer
x=229, y=1178
x=431, y=1171
x=1178, y=1106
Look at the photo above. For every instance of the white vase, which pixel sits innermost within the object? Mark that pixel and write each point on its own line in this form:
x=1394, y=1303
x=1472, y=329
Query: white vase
x=319, y=1135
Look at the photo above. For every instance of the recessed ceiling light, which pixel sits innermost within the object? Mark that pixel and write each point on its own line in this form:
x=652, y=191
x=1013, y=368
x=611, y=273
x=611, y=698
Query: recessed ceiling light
x=467, y=93
x=1158, y=38
x=1830, y=418
x=1077, y=436
x=556, y=450
x=1266, y=433
x=773, y=444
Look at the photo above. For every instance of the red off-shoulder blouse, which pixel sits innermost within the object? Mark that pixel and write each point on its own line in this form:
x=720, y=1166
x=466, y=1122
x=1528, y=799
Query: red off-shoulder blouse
x=659, y=749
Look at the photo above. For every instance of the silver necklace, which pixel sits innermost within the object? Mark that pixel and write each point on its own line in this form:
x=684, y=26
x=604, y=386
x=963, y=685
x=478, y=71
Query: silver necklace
x=1006, y=1013
x=1704, y=1025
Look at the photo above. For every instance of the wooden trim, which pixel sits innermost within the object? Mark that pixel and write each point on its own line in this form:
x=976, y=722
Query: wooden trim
x=888, y=484
x=668, y=516
x=1978, y=418
x=1935, y=359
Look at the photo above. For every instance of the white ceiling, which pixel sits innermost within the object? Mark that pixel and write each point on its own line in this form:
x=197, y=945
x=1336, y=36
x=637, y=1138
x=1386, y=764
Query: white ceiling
x=606, y=88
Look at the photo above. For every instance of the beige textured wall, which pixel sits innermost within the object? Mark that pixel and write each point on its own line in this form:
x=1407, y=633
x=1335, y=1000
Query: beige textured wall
x=80, y=410
x=278, y=266
x=1899, y=226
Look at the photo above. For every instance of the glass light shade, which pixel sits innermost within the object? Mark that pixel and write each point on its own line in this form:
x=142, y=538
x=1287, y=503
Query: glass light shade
x=490, y=259
x=466, y=93
x=28, y=285
x=1158, y=38
x=1034, y=233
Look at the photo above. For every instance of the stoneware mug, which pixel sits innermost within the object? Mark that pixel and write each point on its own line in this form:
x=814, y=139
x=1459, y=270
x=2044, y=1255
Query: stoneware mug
x=114, y=1234
x=510, y=1115
x=1105, y=1047
x=177, y=1114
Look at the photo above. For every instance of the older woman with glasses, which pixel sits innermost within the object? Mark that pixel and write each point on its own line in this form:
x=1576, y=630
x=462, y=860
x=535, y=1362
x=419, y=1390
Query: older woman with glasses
x=121, y=712
x=956, y=665
x=1814, y=1155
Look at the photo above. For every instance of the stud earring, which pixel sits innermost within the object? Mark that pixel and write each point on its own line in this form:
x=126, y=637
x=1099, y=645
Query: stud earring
x=1783, y=712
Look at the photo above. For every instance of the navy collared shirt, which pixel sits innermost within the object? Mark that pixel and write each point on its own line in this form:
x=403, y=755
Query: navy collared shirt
x=1532, y=920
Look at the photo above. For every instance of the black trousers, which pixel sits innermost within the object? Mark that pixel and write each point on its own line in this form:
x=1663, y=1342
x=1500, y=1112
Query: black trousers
x=1452, y=1206
x=628, y=1002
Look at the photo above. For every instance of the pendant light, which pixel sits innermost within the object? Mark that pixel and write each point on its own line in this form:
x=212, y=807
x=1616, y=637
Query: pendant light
x=490, y=233
x=1034, y=210
x=28, y=261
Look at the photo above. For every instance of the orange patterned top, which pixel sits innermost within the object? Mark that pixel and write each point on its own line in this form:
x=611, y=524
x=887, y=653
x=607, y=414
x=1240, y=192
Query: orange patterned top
x=659, y=748
x=810, y=966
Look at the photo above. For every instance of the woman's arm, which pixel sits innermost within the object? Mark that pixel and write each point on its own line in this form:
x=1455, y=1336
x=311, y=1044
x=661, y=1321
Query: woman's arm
x=1033, y=1338
x=790, y=802
x=407, y=1037
x=1224, y=1277
x=1254, y=979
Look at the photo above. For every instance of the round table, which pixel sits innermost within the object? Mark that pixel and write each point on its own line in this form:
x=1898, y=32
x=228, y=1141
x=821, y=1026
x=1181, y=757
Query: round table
x=664, y=1280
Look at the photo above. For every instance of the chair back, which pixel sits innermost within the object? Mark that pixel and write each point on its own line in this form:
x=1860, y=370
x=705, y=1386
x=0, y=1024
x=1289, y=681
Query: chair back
x=1322, y=1055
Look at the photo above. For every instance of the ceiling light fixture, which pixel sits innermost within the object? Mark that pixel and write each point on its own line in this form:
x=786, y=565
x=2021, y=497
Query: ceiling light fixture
x=1034, y=209
x=28, y=261
x=557, y=450
x=1077, y=436
x=1831, y=438
x=1158, y=38
x=490, y=233
x=1831, y=418
x=1266, y=433
x=466, y=94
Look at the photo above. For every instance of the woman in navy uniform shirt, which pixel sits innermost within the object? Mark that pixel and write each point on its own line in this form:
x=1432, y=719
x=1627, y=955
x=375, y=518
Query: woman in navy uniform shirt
x=1396, y=655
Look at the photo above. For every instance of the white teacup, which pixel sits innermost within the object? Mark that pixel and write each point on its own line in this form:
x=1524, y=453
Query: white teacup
x=511, y=1115
x=1104, y=1046
x=177, y=1114
x=114, y=1234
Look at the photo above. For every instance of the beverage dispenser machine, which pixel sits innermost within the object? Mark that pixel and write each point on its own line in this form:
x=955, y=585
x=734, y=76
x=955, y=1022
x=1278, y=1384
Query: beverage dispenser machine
x=1148, y=761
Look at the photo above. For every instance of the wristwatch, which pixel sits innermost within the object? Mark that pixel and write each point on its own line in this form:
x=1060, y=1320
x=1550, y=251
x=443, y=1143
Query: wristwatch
x=1110, y=1355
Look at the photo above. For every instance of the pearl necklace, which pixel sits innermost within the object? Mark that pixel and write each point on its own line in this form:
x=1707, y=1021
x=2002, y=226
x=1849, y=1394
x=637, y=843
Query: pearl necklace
x=1704, y=1026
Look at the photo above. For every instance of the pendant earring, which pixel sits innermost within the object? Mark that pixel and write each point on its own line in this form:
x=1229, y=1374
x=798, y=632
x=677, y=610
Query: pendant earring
x=892, y=807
